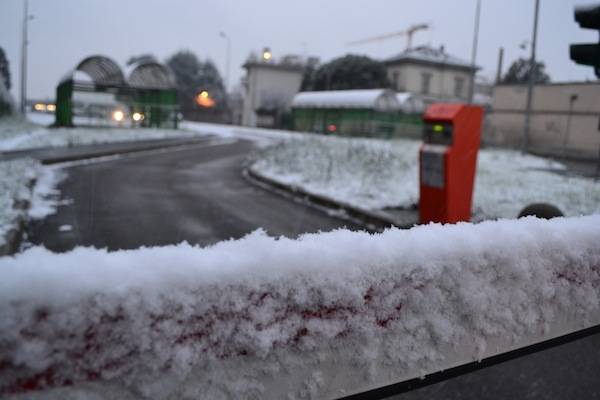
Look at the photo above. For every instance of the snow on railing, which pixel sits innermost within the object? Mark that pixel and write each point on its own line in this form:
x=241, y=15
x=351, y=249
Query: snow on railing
x=322, y=316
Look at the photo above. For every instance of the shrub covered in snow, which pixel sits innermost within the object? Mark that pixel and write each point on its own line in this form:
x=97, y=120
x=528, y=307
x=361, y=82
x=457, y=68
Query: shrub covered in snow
x=6, y=100
x=375, y=174
x=242, y=318
x=25, y=181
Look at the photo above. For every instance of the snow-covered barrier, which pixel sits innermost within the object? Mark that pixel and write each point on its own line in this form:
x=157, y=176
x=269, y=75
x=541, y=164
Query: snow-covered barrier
x=322, y=316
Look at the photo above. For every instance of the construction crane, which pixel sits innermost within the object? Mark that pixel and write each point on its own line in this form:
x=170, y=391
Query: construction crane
x=408, y=33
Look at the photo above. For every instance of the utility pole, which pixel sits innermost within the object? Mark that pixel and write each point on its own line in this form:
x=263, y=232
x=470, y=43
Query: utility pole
x=572, y=100
x=227, y=60
x=24, y=58
x=500, y=61
x=531, y=79
x=474, y=52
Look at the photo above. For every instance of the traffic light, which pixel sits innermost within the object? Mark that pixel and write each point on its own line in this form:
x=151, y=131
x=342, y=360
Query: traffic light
x=588, y=17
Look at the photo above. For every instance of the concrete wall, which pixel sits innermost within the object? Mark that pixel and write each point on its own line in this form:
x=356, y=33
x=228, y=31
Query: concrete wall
x=268, y=86
x=442, y=85
x=550, y=132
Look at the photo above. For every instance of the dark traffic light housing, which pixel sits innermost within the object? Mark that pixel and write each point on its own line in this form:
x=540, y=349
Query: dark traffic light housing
x=588, y=17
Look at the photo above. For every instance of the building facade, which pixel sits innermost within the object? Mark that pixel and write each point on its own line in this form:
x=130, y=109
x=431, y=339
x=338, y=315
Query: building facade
x=431, y=73
x=269, y=88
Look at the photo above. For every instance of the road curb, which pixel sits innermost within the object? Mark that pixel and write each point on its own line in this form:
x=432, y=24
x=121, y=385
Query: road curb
x=372, y=220
x=114, y=152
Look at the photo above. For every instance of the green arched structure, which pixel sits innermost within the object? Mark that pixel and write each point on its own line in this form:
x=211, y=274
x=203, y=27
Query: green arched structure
x=147, y=90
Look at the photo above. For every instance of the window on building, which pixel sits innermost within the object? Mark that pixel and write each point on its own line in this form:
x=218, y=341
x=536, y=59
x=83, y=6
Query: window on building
x=459, y=86
x=425, y=82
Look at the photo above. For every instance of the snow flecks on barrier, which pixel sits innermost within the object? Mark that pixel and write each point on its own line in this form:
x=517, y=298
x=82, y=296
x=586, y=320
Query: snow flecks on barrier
x=26, y=189
x=223, y=321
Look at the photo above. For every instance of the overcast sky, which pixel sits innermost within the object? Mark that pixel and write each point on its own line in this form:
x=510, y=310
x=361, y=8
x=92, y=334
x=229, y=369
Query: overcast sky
x=65, y=31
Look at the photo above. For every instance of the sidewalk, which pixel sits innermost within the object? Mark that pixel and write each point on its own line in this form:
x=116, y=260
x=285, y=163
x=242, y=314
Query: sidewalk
x=53, y=155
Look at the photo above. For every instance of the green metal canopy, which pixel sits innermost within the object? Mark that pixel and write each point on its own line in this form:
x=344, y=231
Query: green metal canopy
x=97, y=92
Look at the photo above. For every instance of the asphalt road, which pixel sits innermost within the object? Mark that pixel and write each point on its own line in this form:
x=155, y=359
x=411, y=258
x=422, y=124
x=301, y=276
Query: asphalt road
x=199, y=195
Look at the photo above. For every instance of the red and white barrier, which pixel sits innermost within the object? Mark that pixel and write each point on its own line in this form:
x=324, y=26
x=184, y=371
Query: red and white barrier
x=323, y=316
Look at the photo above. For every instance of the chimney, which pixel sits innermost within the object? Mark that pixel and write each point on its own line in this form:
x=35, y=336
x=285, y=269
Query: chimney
x=442, y=48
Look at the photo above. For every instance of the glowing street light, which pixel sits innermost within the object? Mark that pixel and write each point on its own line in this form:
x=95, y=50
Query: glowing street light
x=267, y=55
x=118, y=115
x=203, y=99
x=137, y=116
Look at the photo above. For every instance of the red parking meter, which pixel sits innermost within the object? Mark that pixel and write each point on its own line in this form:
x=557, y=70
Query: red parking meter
x=448, y=159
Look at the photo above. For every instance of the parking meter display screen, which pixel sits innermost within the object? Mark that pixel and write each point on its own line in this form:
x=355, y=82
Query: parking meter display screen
x=437, y=133
x=432, y=169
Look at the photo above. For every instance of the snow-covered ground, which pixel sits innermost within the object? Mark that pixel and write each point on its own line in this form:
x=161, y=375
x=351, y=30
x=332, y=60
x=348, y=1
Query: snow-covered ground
x=26, y=180
x=265, y=317
x=375, y=174
x=19, y=134
x=262, y=137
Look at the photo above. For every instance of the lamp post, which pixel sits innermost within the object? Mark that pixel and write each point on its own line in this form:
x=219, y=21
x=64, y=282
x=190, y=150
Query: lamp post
x=24, y=43
x=227, y=58
x=474, y=52
x=532, y=71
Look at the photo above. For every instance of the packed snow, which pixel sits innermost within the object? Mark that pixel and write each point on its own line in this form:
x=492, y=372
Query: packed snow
x=242, y=319
x=27, y=182
x=62, y=137
x=262, y=137
x=376, y=174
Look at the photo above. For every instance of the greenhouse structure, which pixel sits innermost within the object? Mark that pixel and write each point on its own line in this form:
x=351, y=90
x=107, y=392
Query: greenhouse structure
x=98, y=92
x=366, y=113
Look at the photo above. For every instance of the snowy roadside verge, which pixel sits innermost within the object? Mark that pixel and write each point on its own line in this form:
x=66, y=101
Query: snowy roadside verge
x=18, y=134
x=377, y=174
x=26, y=191
x=237, y=319
x=262, y=137
x=372, y=220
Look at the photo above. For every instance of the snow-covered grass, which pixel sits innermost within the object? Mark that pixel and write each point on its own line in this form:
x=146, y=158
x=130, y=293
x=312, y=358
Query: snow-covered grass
x=375, y=174
x=262, y=137
x=17, y=133
x=15, y=126
x=242, y=318
x=20, y=134
x=25, y=180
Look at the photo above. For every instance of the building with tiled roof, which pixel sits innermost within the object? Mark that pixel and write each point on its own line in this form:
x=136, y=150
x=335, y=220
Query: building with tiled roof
x=432, y=73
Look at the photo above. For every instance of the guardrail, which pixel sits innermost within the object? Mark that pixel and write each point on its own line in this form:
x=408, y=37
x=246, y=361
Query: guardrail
x=325, y=316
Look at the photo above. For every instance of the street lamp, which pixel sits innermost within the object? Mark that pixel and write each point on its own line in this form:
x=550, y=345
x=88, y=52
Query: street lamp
x=227, y=59
x=24, y=43
x=474, y=52
x=267, y=55
x=526, y=128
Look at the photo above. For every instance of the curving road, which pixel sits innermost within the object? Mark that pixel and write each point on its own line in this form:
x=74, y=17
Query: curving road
x=196, y=194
